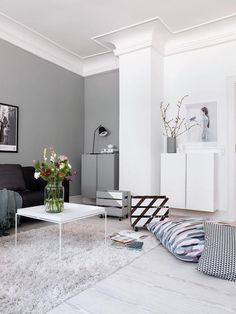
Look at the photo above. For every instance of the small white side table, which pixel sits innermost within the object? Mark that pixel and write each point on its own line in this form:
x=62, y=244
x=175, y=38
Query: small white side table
x=72, y=212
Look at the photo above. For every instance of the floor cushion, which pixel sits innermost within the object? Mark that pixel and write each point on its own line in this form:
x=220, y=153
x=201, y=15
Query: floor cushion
x=183, y=237
x=219, y=256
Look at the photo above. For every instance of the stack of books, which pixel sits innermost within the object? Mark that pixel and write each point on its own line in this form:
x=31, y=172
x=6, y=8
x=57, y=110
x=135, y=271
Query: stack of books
x=127, y=239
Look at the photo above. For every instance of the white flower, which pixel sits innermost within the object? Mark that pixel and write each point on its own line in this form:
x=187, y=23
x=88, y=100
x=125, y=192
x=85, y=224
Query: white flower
x=69, y=165
x=62, y=165
x=63, y=158
x=45, y=154
x=52, y=158
x=37, y=175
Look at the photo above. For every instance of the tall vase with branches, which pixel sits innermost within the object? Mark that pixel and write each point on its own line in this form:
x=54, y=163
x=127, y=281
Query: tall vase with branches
x=174, y=127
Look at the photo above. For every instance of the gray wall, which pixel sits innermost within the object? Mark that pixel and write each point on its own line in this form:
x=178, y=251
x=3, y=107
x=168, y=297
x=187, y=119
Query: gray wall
x=51, y=107
x=101, y=98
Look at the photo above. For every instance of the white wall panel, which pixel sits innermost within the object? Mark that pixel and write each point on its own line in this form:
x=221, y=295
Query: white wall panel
x=173, y=170
x=200, y=179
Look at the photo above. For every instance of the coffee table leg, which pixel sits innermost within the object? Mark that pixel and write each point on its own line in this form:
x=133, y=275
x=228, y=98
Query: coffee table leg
x=16, y=220
x=105, y=227
x=59, y=241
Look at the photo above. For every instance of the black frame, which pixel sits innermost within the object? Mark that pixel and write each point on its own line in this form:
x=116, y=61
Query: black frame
x=17, y=128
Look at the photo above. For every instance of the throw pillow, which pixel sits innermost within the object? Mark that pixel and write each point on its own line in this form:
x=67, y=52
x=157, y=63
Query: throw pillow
x=219, y=256
x=11, y=177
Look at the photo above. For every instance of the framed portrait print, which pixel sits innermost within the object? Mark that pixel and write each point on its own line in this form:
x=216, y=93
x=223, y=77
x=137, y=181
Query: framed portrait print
x=9, y=116
x=205, y=116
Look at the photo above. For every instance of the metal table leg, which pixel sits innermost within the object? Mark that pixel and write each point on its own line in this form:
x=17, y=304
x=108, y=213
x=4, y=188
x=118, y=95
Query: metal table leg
x=105, y=227
x=16, y=220
x=59, y=241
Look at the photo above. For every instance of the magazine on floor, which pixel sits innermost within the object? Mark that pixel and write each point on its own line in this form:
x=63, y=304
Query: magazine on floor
x=127, y=239
x=127, y=236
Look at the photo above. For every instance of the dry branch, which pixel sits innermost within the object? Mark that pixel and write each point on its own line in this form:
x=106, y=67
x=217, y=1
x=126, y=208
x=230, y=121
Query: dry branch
x=173, y=126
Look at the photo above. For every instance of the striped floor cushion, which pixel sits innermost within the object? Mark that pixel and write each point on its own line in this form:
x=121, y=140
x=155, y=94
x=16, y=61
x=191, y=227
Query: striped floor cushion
x=219, y=256
x=183, y=237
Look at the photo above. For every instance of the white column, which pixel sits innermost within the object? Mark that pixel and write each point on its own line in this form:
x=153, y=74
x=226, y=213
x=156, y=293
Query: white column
x=140, y=49
x=141, y=75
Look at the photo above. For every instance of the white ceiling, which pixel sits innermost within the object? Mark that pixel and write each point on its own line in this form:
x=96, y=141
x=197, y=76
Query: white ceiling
x=73, y=23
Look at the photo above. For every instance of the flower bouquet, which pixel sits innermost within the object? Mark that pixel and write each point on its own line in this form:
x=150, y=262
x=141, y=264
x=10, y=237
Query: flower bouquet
x=53, y=169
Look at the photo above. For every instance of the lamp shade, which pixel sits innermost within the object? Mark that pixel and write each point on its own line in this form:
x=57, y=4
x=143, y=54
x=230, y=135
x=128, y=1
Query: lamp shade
x=102, y=131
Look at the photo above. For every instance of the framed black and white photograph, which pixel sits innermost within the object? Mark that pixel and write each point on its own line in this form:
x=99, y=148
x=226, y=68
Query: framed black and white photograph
x=204, y=115
x=9, y=115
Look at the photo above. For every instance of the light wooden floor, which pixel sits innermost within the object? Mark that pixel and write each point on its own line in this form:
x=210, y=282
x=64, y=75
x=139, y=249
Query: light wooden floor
x=156, y=283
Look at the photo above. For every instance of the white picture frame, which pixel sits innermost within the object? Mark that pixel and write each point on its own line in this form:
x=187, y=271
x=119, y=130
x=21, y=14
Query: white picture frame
x=204, y=134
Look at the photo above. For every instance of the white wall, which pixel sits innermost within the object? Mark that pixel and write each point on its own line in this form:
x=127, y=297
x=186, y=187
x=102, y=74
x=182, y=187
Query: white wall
x=203, y=74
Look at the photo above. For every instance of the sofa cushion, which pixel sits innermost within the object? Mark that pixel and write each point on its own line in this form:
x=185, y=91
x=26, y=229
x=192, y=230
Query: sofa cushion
x=32, y=198
x=219, y=256
x=30, y=181
x=183, y=237
x=11, y=177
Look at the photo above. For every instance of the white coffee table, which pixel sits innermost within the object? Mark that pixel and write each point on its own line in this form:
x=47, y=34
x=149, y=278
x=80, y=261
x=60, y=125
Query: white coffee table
x=72, y=212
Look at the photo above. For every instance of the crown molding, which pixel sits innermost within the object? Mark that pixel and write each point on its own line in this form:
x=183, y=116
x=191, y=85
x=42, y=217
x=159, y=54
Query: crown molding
x=150, y=33
x=135, y=47
x=205, y=35
x=102, y=63
x=33, y=42
x=156, y=33
x=176, y=48
x=20, y=36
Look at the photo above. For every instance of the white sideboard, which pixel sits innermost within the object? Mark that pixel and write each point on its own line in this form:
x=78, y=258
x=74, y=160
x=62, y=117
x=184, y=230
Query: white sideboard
x=190, y=180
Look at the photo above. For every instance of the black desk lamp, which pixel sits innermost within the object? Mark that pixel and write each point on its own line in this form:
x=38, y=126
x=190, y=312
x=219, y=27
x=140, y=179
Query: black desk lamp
x=101, y=131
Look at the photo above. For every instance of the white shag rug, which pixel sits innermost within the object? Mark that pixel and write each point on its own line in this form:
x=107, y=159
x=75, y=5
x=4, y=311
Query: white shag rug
x=34, y=280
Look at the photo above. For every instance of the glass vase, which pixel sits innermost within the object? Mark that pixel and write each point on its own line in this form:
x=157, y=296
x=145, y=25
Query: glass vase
x=54, y=197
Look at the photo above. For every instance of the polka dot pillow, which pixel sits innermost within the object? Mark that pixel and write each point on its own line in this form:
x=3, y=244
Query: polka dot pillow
x=219, y=255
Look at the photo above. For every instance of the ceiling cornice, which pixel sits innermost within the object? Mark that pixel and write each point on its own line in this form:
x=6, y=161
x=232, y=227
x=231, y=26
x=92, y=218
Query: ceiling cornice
x=23, y=37
x=33, y=42
x=99, y=64
x=176, y=48
x=153, y=32
x=205, y=35
x=156, y=34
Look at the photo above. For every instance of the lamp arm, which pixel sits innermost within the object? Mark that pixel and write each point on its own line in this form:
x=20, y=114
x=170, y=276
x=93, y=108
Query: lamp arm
x=94, y=136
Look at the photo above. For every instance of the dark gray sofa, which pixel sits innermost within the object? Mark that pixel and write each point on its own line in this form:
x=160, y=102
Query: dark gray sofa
x=21, y=179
